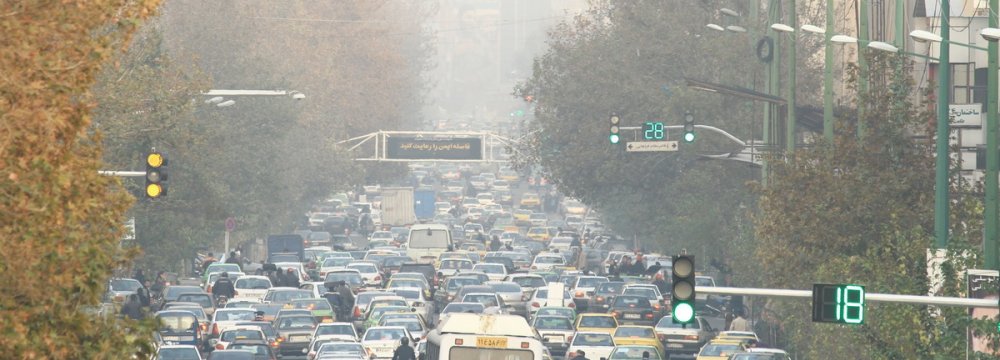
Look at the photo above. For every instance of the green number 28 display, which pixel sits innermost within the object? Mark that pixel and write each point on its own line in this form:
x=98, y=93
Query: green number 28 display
x=653, y=131
x=839, y=303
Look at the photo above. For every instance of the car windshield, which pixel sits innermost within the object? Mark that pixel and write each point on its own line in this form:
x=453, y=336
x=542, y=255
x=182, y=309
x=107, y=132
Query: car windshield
x=635, y=332
x=489, y=268
x=610, y=287
x=252, y=283
x=177, y=354
x=488, y=300
x=234, y=315
x=406, y=283
x=646, y=293
x=593, y=340
x=719, y=349
x=542, y=293
x=408, y=294
x=590, y=282
x=331, y=262
x=564, y=312
x=384, y=334
x=351, y=278
x=231, y=335
x=631, y=302
x=456, y=264
x=297, y=322
x=553, y=323
x=667, y=322
x=289, y=295
x=341, y=347
x=463, y=308
x=506, y=287
x=364, y=268
x=529, y=281
x=549, y=260
x=335, y=330
x=412, y=326
x=456, y=283
x=597, y=322
x=125, y=285
x=635, y=352
x=319, y=304
x=264, y=326
x=256, y=349
x=699, y=281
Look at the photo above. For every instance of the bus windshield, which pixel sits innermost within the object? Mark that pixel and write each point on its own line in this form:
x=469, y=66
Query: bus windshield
x=429, y=238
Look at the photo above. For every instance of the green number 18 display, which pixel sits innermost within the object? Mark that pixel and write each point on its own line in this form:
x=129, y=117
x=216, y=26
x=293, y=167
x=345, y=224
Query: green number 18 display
x=839, y=303
x=653, y=131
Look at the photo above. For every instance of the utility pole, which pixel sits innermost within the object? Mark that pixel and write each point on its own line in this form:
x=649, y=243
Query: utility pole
x=943, y=133
x=774, y=75
x=862, y=64
x=790, y=116
x=990, y=245
x=828, y=75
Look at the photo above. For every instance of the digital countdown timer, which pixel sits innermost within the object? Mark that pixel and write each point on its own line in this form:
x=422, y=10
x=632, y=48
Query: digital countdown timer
x=839, y=303
x=653, y=131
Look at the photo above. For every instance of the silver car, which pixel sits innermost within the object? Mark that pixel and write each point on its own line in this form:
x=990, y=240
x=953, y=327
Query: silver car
x=684, y=339
x=512, y=295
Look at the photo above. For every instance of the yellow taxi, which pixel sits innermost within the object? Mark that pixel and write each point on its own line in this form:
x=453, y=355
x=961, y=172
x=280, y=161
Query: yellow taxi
x=522, y=215
x=596, y=322
x=744, y=336
x=539, y=234
x=452, y=255
x=530, y=200
x=720, y=349
x=509, y=175
x=638, y=335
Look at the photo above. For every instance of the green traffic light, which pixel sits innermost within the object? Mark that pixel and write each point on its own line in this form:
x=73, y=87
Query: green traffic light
x=614, y=138
x=689, y=137
x=683, y=313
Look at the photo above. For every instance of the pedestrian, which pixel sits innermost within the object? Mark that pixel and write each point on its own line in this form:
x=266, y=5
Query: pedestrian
x=660, y=283
x=404, y=351
x=138, y=275
x=613, y=269
x=495, y=243
x=509, y=247
x=346, y=296
x=291, y=278
x=580, y=355
x=638, y=268
x=159, y=283
x=739, y=323
x=132, y=309
x=233, y=259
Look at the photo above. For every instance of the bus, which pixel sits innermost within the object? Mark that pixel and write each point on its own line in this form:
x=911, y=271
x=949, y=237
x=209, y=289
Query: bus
x=484, y=337
x=427, y=242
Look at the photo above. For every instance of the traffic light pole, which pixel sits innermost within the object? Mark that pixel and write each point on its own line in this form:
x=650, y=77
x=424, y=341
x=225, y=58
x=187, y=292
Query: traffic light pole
x=887, y=298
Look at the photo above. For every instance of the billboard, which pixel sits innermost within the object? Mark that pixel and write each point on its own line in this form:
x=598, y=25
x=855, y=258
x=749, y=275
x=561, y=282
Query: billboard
x=420, y=148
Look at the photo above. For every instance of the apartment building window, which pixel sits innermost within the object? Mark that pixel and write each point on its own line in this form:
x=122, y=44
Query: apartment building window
x=962, y=83
x=979, y=91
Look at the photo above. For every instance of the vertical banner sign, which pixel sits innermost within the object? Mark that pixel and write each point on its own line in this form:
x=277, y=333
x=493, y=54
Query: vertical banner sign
x=981, y=284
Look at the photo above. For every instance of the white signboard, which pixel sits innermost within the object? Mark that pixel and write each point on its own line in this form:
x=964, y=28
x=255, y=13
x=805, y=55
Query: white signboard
x=650, y=146
x=966, y=114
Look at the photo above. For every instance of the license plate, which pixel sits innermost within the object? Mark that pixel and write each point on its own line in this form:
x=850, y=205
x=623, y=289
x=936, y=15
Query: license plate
x=674, y=345
x=491, y=342
x=298, y=338
x=171, y=338
x=632, y=316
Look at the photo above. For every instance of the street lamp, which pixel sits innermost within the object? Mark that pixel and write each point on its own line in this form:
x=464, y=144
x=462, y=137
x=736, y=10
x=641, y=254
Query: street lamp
x=729, y=12
x=736, y=28
x=716, y=27
x=782, y=28
x=813, y=29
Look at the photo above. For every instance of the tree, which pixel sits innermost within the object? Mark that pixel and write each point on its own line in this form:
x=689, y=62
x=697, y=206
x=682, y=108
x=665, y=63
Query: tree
x=61, y=221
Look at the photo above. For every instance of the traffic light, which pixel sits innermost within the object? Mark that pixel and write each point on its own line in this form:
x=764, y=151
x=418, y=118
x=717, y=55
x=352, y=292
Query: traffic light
x=156, y=175
x=688, y=127
x=682, y=292
x=614, y=136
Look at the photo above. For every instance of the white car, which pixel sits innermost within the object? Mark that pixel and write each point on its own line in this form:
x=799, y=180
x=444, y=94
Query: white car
x=178, y=352
x=343, y=331
x=492, y=303
x=382, y=341
x=540, y=298
x=333, y=264
x=416, y=300
x=485, y=198
x=442, y=207
x=596, y=345
x=501, y=185
x=382, y=235
x=251, y=288
x=450, y=267
x=496, y=272
x=336, y=349
x=547, y=261
x=369, y=272
x=560, y=243
x=224, y=319
x=241, y=332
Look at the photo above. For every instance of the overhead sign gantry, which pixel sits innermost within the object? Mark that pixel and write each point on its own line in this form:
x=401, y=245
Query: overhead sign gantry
x=443, y=146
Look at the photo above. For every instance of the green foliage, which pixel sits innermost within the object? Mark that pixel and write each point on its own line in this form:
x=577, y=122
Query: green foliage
x=61, y=222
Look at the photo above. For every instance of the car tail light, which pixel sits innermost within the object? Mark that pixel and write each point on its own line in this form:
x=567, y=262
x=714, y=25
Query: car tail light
x=279, y=340
x=219, y=347
x=599, y=299
x=357, y=312
x=274, y=343
x=572, y=304
x=524, y=344
x=535, y=304
x=451, y=297
x=691, y=337
x=579, y=294
x=656, y=307
x=306, y=242
x=459, y=341
x=215, y=329
x=378, y=277
x=649, y=315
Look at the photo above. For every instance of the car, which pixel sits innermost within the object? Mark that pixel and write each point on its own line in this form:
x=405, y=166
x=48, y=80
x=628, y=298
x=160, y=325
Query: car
x=761, y=354
x=177, y=352
x=633, y=310
x=492, y=302
x=320, y=308
x=361, y=303
x=530, y=200
x=485, y=198
x=719, y=349
x=223, y=319
x=295, y=332
x=415, y=327
x=231, y=355
x=556, y=332
x=369, y=272
x=573, y=207
x=251, y=287
x=597, y=345
x=605, y=323
x=260, y=349
x=319, y=340
x=179, y=327
x=512, y=295
x=635, y=352
x=450, y=267
x=527, y=282
x=351, y=277
x=495, y=272
x=509, y=175
x=562, y=244
x=344, y=331
x=342, y=351
x=540, y=298
x=285, y=295
x=584, y=289
x=548, y=261
x=375, y=313
x=684, y=338
x=267, y=328
x=330, y=264
x=219, y=267
x=383, y=340
x=450, y=288
x=416, y=299
x=238, y=332
x=539, y=233
x=382, y=235
x=638, y=335
x=538, y=219
x=566, y=312
x=319, y=238
x=200, y=298
x=460, y=307
x=522, y=217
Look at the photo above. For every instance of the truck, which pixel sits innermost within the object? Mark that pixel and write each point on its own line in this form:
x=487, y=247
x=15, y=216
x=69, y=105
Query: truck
x=282, y=248
x=397, y=206
x=423, y=203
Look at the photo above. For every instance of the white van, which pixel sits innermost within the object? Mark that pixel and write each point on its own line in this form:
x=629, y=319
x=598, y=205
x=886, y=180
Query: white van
x=428, y=241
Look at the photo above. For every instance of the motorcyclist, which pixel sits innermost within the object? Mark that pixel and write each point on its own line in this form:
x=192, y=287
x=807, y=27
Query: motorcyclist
x=223, y=287
x=404, y=351
x=291, y=278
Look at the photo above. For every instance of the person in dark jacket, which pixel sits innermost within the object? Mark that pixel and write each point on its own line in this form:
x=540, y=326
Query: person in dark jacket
x=139, y=276
x=495, y=243
x=661, y=284
x=132, y=309
x=291, y=279
x=404, y=351
x=223, y=287
x=580, y=355
x=233, y=259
